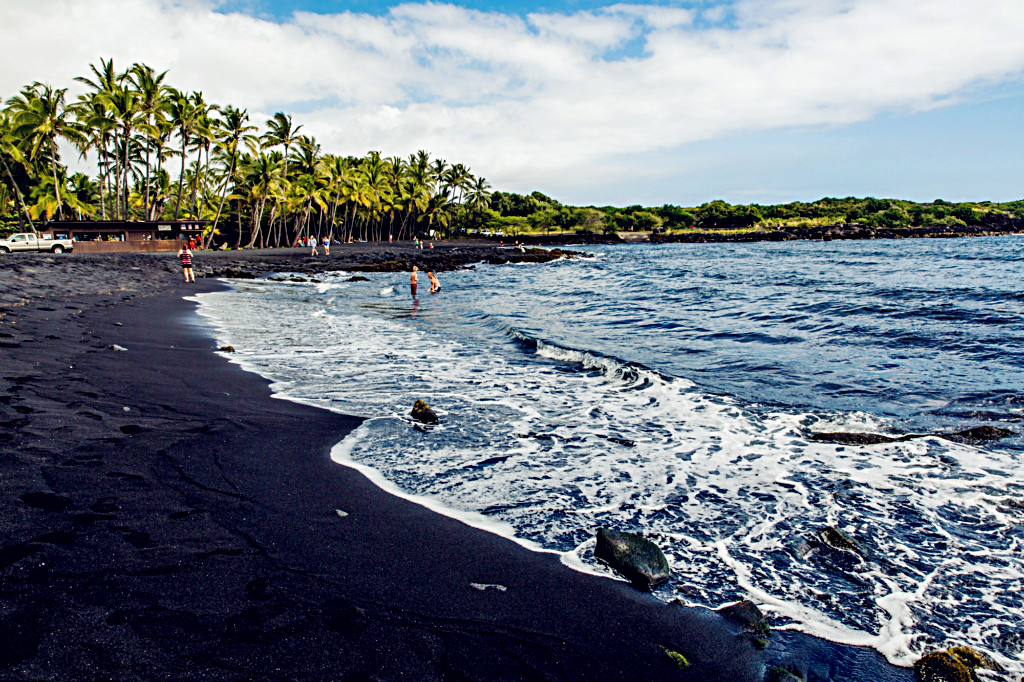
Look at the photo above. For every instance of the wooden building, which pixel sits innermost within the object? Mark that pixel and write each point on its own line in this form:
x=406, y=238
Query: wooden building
x=119, y=236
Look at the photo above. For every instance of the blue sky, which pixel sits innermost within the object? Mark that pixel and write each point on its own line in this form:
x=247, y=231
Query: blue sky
x=597, y=102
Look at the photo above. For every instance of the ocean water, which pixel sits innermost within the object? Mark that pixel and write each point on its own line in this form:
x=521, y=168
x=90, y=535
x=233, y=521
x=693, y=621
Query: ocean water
x=671, y=390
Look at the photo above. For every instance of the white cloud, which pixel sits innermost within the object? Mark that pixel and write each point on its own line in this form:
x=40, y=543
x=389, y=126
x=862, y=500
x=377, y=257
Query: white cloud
x=549, y=100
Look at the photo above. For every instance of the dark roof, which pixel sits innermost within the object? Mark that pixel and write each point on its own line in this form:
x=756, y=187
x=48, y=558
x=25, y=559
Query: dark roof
x=121, y=224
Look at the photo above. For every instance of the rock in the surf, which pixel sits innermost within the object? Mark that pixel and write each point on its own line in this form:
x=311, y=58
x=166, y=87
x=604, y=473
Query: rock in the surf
x=633, y=556
x=956, y=664
x=837, y=539
x=421, y=412
x=977, y=434
x=852, y=438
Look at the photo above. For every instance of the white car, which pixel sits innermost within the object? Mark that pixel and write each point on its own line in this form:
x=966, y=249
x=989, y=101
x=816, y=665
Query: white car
x=27, y=241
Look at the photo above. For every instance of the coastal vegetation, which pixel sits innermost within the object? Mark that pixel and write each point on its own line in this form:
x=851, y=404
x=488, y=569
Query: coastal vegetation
x=164, y=154
x=160, y=153
x=518, y=214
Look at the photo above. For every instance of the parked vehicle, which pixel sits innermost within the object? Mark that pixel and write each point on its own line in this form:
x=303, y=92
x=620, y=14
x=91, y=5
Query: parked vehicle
x=27, y=241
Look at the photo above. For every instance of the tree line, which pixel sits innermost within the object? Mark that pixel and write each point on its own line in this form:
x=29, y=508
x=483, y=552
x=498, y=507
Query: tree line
x=164, y=154
x=519, y=214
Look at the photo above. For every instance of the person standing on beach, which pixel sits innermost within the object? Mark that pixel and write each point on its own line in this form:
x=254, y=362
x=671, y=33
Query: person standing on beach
x=327, y=246
x=185, y=256
x=313, y=242
x=435, y=286
x=413, y=279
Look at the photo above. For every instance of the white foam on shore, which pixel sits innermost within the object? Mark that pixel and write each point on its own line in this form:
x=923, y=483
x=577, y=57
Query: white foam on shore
x=341, y=453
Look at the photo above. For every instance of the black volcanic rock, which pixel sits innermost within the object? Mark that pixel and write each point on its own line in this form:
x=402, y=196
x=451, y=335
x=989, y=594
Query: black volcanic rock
x=633, y=556
x=421, y=412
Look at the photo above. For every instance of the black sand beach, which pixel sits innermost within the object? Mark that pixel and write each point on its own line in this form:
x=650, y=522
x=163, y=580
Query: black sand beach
x=165, y=518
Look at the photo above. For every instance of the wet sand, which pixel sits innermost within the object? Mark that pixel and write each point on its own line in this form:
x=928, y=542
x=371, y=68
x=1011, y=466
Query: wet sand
x=165, y=518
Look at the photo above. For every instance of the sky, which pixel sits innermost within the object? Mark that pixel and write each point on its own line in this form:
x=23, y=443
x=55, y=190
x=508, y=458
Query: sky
x=594, y=103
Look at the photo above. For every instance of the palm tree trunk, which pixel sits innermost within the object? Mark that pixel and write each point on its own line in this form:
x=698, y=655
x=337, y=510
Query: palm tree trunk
x=124, y=175
x=53, y=163
x=257, y=221
x=145, y=199
x=223, y=193
x=181, y=178
x=103, y=175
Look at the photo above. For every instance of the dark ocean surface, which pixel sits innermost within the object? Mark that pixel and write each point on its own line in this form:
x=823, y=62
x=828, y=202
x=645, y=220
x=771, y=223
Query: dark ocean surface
x=672, y=389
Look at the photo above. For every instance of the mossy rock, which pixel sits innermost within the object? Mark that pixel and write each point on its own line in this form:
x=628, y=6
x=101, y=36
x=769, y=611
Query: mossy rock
x=421, y=412
x=777, y=673
x=956, y=664
x=676, y=658
x=633, y=556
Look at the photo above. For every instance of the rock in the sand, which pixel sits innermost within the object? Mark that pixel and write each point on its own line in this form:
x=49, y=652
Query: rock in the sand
x=755, y=625
x=746, y=613
x=633, y=556
x=421, y=412
x=227, y=349
x=978, y=433
x=956, y=664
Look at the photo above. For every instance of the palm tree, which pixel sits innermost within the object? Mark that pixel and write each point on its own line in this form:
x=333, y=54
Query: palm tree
x=153, y=102
x=204, y=135
x=281, y=132
x=99, y=125
x=336, y=170
x=436, y=214
x=184, y=119
x=125, y=106
x=263, y=179
x=236, y=131
x=40, y=116
x=479, y=196
x=96, y=119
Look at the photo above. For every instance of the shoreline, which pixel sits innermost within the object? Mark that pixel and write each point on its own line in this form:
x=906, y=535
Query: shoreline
x=196, y=534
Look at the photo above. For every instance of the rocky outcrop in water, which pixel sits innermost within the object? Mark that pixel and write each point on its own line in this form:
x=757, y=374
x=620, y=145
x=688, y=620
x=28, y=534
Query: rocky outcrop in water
x=422, y=413
x=831, y=536
x=957, y=664
x=633, y=556
x=978, y=434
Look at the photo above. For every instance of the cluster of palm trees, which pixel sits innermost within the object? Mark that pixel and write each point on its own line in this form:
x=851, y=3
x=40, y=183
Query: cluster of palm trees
x=255, y=190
